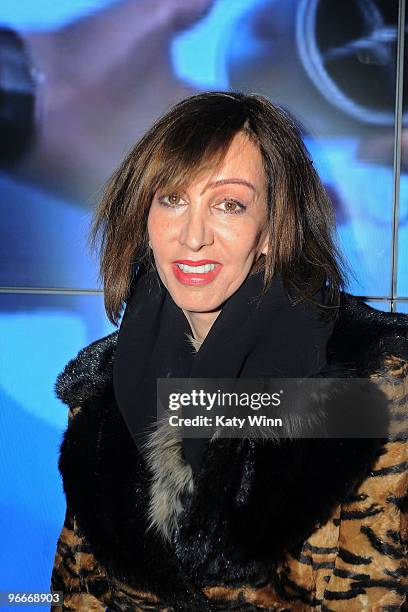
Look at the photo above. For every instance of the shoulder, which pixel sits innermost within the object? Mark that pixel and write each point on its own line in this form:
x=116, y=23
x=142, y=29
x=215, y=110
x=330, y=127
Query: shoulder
x=87, y=375
x=366, y=336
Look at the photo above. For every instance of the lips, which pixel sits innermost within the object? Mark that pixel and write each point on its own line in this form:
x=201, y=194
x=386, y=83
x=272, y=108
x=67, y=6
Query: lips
x=206, y=270
x=199, y=262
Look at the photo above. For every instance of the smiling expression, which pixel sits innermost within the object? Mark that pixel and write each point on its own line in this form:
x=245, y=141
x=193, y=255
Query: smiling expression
x=207, y=236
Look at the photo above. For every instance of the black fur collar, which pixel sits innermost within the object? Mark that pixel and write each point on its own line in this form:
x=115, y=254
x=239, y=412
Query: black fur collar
x=252, y=501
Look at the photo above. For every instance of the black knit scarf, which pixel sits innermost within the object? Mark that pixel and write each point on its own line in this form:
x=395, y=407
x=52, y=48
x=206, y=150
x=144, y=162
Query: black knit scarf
x=249, y=338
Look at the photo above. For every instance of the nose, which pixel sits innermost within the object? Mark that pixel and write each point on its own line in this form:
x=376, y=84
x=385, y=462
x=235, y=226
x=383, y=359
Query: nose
x=196, y=230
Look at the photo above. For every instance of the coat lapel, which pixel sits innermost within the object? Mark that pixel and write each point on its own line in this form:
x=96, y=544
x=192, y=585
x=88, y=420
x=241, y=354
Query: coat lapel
x=251, y=502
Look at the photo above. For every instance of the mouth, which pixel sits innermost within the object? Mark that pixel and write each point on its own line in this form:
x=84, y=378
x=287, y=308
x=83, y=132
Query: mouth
x=199, y=272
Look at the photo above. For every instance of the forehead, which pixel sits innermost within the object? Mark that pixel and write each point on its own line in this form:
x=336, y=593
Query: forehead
x=241, y=160
x=245, y=153
x=207, y=160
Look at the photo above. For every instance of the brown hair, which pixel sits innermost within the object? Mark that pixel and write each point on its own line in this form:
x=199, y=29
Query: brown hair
x=195, y=132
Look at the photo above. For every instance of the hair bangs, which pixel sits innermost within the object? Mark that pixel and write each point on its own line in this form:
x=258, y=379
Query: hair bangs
x=188, y=150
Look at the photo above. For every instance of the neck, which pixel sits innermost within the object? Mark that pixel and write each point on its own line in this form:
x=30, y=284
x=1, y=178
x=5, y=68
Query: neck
x=201, y=322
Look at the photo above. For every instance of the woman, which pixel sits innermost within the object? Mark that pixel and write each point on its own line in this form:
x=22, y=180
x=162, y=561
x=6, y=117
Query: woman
x=216, y=233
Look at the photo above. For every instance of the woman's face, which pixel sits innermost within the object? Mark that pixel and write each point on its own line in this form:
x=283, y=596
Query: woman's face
x=206, y=237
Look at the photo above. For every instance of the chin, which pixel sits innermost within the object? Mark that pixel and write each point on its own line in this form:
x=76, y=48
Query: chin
x=194, y=307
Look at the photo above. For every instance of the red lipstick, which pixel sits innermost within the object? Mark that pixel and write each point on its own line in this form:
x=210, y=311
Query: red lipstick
x=196, y=278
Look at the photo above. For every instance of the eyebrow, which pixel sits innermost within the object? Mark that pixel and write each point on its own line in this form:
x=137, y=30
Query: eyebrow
x=236, y=181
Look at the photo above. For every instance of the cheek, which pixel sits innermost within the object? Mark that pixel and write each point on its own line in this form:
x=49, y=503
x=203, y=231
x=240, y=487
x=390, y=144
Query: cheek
x=161, y=235
x=158, y=226
x=242, y=237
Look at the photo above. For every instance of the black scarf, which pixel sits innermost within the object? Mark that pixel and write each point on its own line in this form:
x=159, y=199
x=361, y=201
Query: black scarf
x=249, y=338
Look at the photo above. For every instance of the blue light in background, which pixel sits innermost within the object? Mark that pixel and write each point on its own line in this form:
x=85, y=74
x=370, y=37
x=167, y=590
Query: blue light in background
x=36, y=347
x=46, y=14
x=40, y=334
x=198, y=54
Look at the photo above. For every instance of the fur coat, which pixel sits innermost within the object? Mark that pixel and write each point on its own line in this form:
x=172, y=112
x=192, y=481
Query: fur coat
x=305, y=524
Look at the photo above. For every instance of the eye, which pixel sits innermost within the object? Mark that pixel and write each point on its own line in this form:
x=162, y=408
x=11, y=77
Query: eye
x=171, y=200
x=233, y=207
x=174, y=200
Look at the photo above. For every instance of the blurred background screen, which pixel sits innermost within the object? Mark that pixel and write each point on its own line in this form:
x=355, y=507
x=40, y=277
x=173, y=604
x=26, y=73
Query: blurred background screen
x=102, y=72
